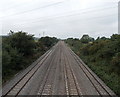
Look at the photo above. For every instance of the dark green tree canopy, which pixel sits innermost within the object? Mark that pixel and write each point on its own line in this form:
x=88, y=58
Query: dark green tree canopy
x=23, y=42
x=86, y=39
x=48, y=41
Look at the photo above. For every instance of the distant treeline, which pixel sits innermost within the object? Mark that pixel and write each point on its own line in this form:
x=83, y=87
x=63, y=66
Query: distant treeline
x=20, y=49
x=102, y=56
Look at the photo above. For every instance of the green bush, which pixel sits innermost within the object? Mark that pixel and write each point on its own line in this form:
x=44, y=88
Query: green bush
x=20, y=49
x=102, y=56
x=23, y=42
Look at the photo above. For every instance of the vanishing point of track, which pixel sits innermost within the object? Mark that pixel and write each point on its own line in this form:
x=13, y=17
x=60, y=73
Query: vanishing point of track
x=58, y=72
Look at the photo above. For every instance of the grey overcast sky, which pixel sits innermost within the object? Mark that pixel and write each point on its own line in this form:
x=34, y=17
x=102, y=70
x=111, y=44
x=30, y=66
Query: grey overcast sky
x=60, y=18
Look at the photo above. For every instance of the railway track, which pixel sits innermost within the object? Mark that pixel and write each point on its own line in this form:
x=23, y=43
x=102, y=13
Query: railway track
x=58, y=72
x=98, y=84
x=19, y=85
x=73, y=87
x=46, y=85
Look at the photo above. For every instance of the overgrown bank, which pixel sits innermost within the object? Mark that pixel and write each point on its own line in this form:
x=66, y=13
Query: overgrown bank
x=102, y=56
x=20, y=49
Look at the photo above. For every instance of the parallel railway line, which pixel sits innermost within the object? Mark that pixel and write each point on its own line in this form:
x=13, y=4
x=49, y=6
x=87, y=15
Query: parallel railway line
x=19, y=85
x=45, y=88
x=75, y=89
x=58, y=72
x=92, y=77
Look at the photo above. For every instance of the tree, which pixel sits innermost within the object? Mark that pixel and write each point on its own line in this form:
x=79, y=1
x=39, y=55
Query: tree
x=23, y=42
x=86, y=39
x=116, y=63
x=48, y=41
x=19, y=50
x=12, y=60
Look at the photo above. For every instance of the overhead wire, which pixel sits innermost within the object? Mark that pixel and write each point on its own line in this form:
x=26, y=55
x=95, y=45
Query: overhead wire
x=19, y=5
x=23, y=12
x=55, y=17
x=52, y=4
x=88, y=19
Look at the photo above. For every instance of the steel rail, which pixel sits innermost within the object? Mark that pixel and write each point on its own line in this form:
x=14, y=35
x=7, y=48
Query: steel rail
x=79, y=93
x=44, y=57
x=40, y=91
x=79, y=62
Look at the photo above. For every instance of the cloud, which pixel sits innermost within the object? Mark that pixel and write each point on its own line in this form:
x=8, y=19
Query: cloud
x=61, y=18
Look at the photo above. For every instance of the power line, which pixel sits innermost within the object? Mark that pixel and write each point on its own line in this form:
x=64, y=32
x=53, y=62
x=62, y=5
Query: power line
x=53, y=4
x=17, y=5
x=88, y=19
x=54, y=17
x=23, y=12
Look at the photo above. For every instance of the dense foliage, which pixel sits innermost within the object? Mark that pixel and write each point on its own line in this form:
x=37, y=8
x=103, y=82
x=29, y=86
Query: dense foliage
x=47, y=42
x=102, y=56
x=86, y=39
x=24, y=43
x=20, y=49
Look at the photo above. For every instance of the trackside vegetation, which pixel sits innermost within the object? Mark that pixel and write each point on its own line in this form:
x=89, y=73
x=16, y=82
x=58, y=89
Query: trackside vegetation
x=102, y=56
x=20, y=49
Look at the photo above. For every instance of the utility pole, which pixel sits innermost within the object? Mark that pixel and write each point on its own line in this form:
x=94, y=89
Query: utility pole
x=39, y=35
x=119, y=17
x=43, y=33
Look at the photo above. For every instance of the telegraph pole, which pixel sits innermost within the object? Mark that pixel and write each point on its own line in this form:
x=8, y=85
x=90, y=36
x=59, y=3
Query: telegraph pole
x=43, y=34
x=119, y=17
x=39, y=35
